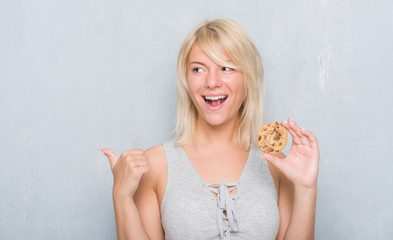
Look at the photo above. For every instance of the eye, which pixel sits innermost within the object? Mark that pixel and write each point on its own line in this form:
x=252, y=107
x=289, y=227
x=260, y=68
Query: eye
x=227, y=69
x=197, y=69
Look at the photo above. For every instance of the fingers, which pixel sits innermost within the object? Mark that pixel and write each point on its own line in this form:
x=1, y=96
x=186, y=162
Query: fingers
x=300, y=135
x=144, y=169
x=295, y=137
x=297, y=133
x=134, y=160
x=139, y=164
x=127, y=170
x=133, y=152
x=136, y=153
x=111, y=156
x=311, y=138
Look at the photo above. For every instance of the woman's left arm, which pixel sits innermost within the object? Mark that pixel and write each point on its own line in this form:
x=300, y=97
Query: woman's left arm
x=298, y=184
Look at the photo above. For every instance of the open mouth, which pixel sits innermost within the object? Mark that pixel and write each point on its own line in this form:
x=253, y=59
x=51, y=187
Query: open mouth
x=215, y=100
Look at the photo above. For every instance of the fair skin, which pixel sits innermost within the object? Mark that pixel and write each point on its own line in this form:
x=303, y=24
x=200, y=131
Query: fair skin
x=217, y=92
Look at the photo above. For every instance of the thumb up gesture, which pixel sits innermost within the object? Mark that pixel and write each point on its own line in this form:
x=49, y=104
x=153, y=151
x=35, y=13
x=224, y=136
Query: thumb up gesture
x=127, y=170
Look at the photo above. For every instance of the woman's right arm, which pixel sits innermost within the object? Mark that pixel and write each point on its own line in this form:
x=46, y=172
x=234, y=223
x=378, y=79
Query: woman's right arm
x=133, y=181
x=128, y=221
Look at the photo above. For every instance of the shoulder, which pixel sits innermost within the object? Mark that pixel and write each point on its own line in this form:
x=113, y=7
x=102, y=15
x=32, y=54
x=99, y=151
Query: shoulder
x=159, y=152
x=156, y=152
x=156, y=158
x=157, y=162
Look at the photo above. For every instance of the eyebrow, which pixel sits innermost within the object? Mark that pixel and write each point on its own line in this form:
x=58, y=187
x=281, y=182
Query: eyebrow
x=200, y=63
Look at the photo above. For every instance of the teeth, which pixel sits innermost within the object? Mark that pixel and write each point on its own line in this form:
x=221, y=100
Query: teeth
x=214, y=98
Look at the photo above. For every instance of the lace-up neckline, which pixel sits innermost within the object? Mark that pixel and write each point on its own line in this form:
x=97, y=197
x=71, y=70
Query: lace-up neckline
x=225, y=195
x=193, y=209
x=226, y=207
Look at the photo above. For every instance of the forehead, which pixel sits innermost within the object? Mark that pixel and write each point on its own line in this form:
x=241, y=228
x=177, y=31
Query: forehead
x=215, y=53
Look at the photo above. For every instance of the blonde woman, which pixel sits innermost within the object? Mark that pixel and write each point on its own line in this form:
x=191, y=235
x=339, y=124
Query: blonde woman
x=212, y=181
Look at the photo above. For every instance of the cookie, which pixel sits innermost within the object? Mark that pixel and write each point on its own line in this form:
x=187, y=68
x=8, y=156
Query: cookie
x=272, y=137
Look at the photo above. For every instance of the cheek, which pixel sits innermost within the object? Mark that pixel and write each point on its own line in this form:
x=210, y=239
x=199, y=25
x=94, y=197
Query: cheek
x=240, y=87
x=192, y=89
x=193, y=85
x=243, y=87
x=242, y=96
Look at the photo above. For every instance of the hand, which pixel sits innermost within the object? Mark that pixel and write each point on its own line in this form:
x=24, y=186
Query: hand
x=301, y=164
x=127, y=170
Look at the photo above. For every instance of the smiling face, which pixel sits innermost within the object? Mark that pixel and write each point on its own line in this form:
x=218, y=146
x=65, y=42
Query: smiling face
x=192, y=106
x=216, y=91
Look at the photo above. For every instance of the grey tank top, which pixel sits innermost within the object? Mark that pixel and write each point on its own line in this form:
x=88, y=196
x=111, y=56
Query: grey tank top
x=189, y=209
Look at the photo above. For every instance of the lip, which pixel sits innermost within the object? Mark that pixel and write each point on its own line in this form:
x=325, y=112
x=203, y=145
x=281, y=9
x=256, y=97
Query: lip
x=214, y=95
x=217, y=107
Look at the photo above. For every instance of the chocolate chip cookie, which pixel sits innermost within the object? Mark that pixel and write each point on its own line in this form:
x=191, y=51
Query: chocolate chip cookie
x=272, y=137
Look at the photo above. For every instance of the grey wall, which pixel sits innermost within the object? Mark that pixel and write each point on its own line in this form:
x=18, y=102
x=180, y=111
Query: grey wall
x=77, y=76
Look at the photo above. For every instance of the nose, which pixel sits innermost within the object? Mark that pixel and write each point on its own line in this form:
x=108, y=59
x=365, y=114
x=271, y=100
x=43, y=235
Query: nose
x=213, y=80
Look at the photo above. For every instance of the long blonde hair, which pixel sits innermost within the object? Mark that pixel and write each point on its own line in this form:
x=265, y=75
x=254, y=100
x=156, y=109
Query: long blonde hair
x=244, y=55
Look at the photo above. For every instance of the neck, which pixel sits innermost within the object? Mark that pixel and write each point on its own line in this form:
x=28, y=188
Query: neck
x=216, y=136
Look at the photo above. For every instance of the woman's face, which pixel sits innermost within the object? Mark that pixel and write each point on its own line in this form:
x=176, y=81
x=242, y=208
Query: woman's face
x=216, y=91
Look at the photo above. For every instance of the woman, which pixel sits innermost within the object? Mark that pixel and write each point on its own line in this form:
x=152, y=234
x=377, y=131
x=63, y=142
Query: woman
x=212, y=182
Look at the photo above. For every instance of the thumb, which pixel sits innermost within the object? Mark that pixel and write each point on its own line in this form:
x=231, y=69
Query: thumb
x=272, y=159
x=111, y=156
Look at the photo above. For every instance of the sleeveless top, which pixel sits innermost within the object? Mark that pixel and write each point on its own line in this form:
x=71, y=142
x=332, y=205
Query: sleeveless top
x=189, y=209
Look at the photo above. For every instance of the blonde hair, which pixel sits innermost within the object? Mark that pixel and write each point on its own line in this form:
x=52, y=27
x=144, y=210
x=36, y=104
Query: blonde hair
x=244, y=57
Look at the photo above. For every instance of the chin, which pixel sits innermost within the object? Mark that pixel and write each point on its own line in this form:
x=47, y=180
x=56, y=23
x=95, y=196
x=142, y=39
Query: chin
x=215, y=121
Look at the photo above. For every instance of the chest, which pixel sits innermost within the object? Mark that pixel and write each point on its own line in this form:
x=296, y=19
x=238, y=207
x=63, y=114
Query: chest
x=250, y=212
x=220, y=166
